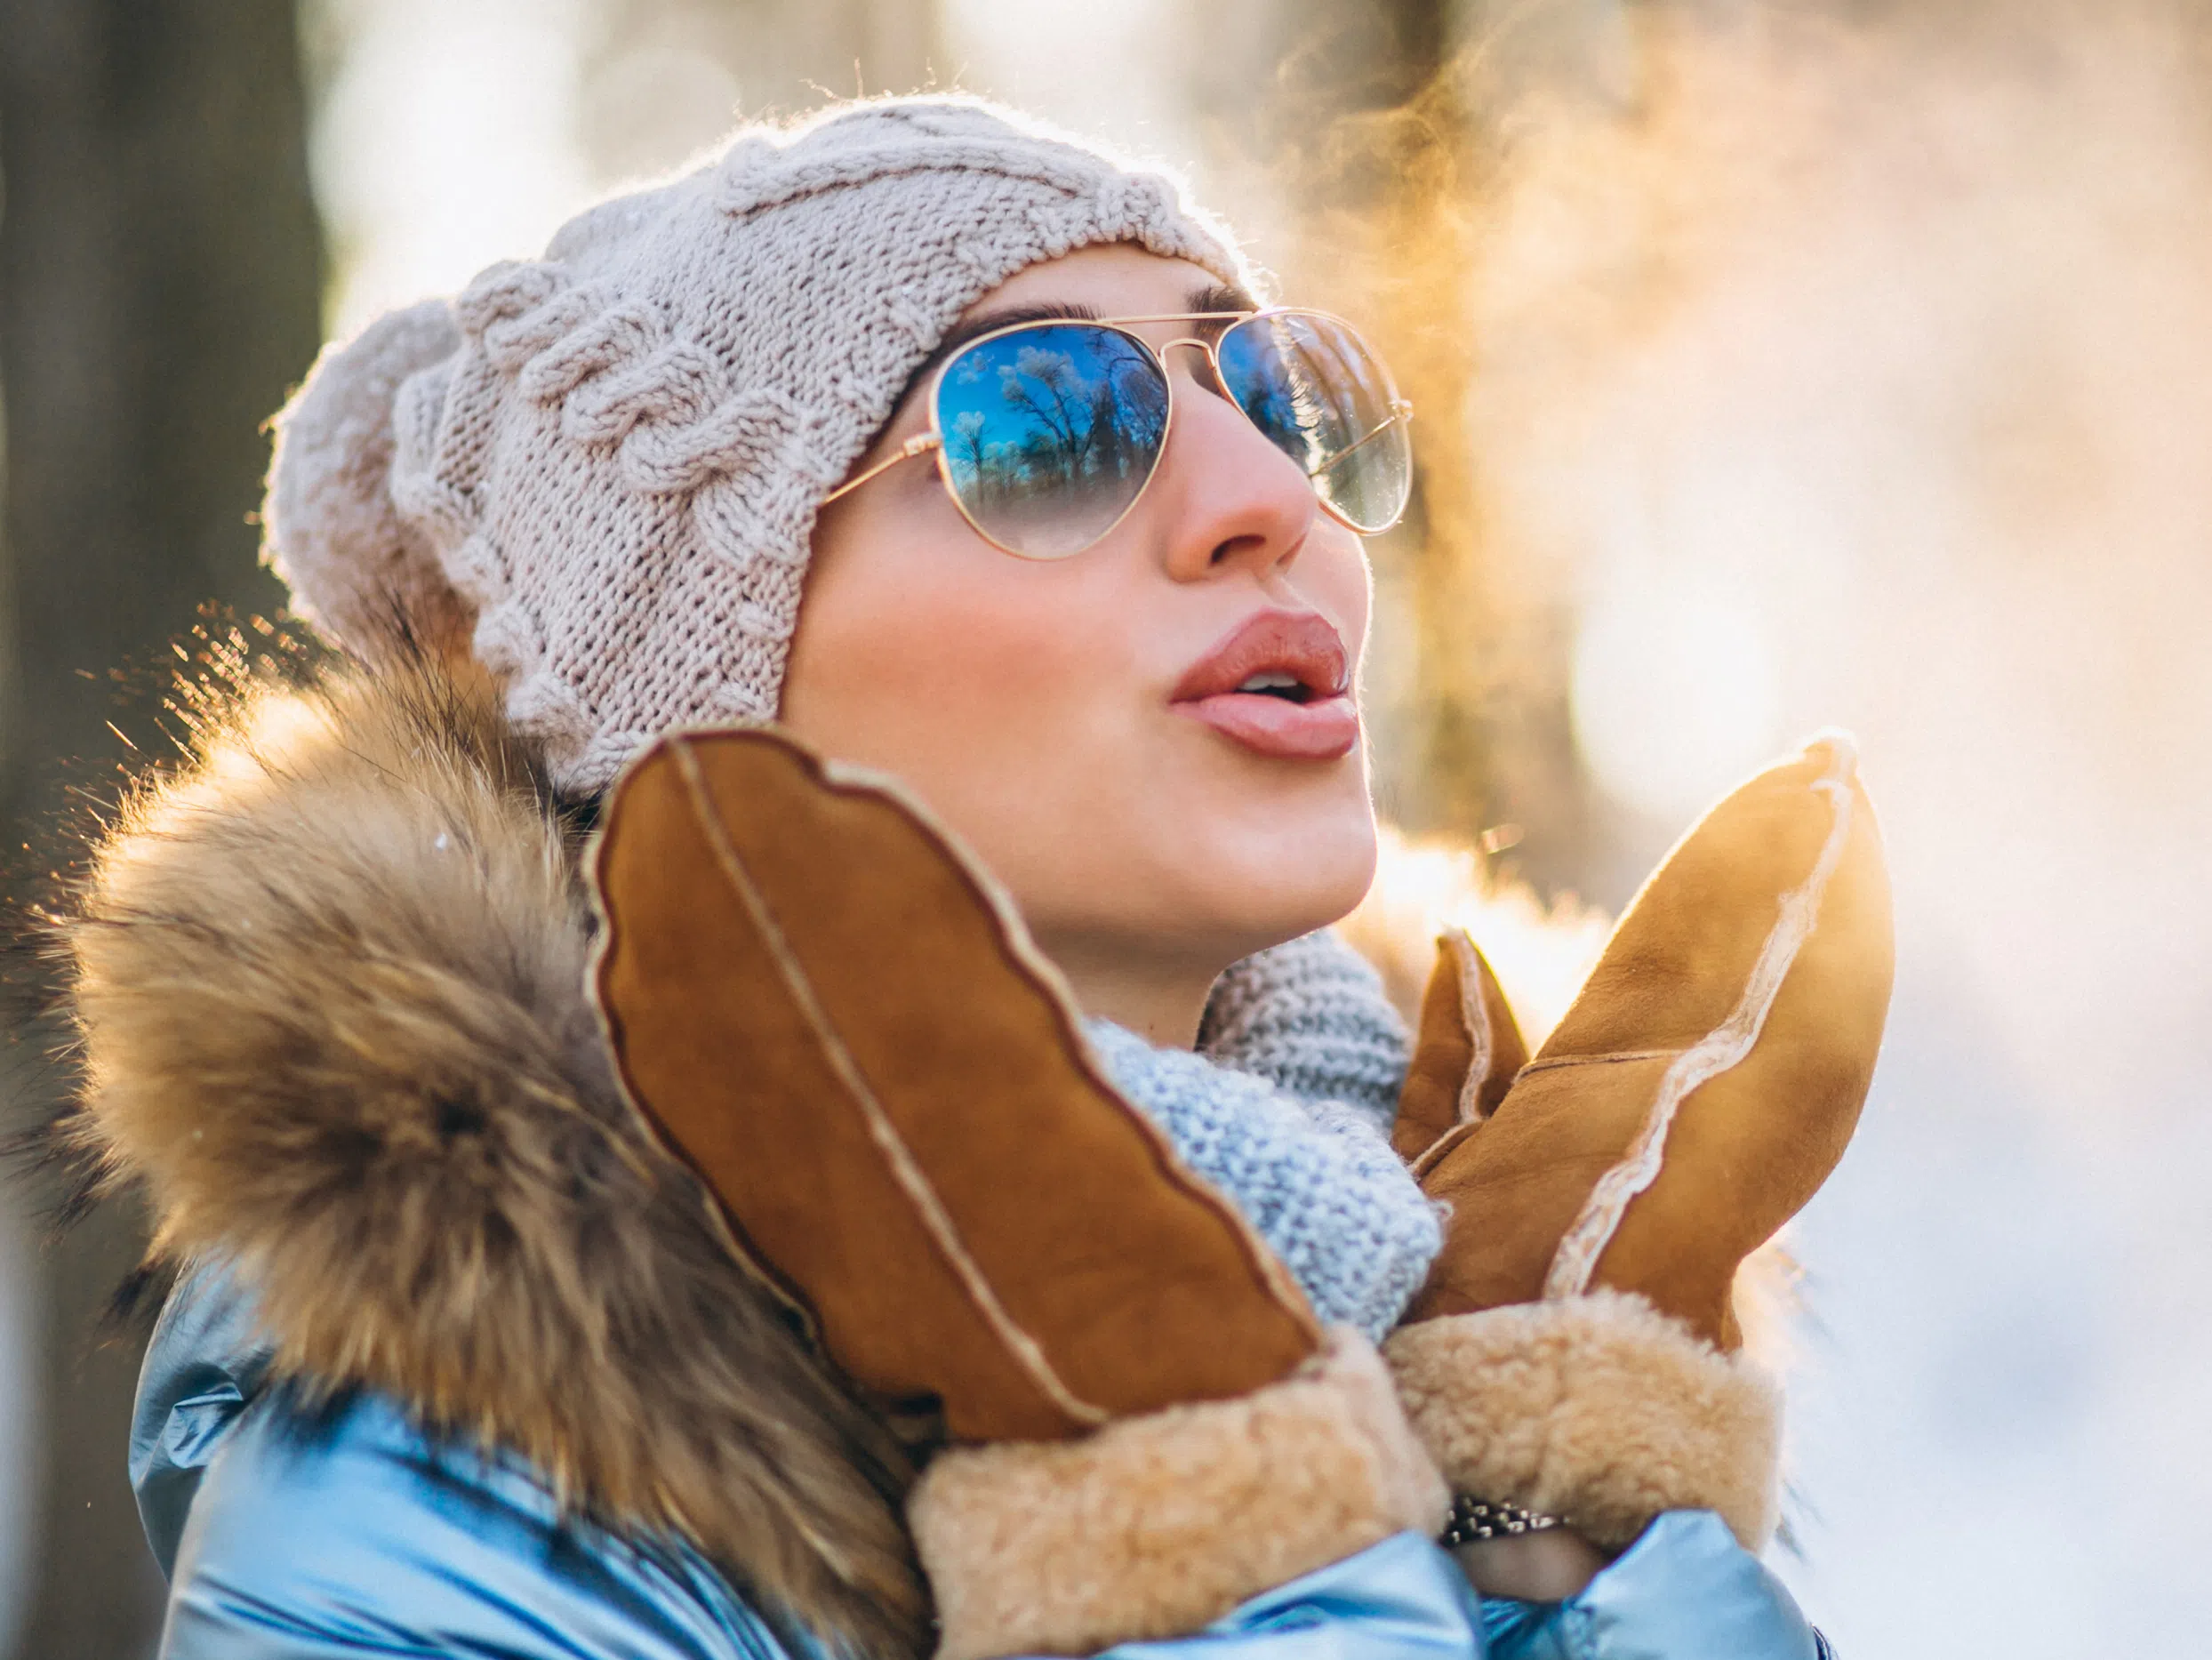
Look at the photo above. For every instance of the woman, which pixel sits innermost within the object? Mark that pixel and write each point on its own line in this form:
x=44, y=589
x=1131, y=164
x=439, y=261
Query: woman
x=463, y=1363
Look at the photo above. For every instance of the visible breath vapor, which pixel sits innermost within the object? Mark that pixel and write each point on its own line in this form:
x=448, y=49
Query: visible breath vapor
x=1853, y=366
x=1891, y=344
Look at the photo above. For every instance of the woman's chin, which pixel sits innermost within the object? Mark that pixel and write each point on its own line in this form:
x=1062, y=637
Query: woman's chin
x=1216, y=869
x=1272, y=885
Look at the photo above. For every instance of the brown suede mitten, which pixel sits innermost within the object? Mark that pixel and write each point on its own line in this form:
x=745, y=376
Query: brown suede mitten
x=836, y=1018
x=1467, y=1052
x=1574, y=1348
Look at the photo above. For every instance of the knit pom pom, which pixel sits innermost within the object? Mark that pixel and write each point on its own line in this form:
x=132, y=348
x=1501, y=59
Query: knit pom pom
x=356, y=569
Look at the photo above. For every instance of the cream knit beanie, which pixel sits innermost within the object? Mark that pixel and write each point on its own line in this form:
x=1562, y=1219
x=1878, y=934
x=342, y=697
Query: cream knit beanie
x=607, y=461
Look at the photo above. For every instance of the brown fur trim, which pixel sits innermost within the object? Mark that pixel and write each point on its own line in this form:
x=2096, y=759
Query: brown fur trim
x=330, y=984
x=1599, y=1408
x=1157, y=1525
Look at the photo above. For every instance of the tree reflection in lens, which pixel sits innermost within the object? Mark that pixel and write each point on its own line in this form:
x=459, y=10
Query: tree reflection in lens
x=1310, y=385
x=1051, y=432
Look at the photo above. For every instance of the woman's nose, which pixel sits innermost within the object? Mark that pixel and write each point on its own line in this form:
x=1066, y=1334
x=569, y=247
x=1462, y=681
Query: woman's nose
x=1227, y=495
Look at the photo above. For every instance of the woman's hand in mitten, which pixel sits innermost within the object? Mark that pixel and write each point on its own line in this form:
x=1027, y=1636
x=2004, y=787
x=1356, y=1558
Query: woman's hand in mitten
x=836, y=1018
x=1574, y=1350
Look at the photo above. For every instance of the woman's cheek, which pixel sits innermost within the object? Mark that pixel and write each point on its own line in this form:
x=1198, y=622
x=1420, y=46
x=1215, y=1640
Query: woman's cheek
x=1342, y=585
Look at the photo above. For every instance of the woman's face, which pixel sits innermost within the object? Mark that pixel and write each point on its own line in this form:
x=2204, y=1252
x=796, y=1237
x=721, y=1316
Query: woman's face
x=1076, y=720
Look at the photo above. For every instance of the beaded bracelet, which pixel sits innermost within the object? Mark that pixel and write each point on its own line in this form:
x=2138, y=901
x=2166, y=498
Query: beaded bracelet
x=1473, y=1519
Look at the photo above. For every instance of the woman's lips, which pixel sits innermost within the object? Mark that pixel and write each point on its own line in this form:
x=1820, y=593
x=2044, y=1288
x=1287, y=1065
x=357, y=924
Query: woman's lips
x=1300, y=644
x=1323, y=731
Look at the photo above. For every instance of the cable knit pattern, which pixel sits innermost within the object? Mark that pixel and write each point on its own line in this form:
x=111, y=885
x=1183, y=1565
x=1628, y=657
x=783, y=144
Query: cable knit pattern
x=1315, y=1177
x=611, y=458
x=1311, y=1017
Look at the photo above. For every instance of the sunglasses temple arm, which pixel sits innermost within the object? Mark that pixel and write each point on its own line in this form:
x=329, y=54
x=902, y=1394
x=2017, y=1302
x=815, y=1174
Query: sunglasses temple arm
x=1401, y=411
x=920, y=444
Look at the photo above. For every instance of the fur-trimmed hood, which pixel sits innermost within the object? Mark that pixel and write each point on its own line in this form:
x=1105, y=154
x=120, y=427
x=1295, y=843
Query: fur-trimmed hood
x=329, y=984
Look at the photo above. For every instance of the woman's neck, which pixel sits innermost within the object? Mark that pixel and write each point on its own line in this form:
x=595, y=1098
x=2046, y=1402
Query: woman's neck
x=1162, y=1001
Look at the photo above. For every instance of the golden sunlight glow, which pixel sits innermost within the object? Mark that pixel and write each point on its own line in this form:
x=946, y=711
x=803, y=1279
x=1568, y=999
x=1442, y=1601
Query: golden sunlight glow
x=1675, y=693
x=1791, y=366
x=1540, y=952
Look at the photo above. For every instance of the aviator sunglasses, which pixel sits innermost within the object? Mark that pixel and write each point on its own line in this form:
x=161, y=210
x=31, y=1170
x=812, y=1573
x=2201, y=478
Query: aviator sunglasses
x=1046, y=433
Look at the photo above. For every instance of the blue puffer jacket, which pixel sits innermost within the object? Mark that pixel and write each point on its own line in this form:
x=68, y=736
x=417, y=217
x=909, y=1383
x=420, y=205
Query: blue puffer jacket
x=297, y=1535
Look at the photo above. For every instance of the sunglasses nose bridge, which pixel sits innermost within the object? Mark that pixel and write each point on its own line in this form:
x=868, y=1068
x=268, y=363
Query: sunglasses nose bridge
x=1209, y=368
x=1205, y=349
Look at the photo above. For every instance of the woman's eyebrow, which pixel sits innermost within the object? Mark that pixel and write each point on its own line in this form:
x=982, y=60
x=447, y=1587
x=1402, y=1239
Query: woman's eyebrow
x=1221, y=297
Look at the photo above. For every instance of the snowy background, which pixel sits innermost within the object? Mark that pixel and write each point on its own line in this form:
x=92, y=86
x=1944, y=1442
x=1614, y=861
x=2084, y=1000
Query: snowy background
x=1834, y=366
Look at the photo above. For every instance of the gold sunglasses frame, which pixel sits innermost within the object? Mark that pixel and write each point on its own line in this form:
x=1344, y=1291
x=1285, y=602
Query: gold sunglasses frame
x=933, y=440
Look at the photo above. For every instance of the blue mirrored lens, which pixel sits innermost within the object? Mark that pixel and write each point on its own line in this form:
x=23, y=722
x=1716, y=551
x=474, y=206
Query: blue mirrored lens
x=1050, y=433
x=1311, y=384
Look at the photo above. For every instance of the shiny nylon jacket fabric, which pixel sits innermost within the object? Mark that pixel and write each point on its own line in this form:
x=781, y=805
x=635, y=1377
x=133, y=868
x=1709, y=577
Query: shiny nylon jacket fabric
x=292, y=1533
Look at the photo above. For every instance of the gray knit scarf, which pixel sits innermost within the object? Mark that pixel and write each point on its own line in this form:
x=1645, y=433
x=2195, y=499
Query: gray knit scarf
x=1285, y=1106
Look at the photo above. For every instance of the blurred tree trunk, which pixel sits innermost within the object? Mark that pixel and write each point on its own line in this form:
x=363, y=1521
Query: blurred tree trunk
x=1404, y=167
x=1388, y=114
x=160, y=288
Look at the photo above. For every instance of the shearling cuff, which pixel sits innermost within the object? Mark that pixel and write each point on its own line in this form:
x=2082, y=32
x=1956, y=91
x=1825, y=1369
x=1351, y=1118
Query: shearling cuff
x=1599, y=1408
x=1155, y=1526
